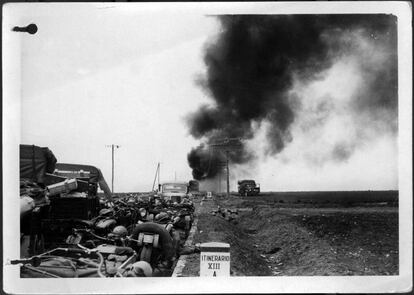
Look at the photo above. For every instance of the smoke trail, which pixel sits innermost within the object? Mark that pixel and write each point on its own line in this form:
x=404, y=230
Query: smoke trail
x=252, y=66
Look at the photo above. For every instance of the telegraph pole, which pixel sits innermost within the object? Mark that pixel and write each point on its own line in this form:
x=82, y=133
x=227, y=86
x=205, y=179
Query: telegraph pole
x=113, y=146
x=157, y=174
x=228, y=173
x=219, y=181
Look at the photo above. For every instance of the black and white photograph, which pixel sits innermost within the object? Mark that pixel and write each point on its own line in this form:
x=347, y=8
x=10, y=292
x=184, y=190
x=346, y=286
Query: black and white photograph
x=239, y=147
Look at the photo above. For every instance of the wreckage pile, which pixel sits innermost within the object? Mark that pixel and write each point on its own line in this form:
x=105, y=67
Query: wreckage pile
x=71, y=232
x=133, y=237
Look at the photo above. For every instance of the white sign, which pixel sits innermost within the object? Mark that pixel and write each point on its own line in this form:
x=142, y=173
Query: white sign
x=209, y=195
x=215, y=259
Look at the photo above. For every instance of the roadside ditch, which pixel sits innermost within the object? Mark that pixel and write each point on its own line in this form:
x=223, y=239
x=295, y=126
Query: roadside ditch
x=273, y=241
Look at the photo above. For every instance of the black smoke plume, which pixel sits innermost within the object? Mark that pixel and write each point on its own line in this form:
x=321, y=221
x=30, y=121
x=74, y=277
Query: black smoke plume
x=205, y=162
x=251, y=67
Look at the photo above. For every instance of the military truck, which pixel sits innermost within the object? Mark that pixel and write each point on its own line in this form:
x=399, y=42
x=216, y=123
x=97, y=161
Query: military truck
x=248, y=187
x=193, y=186
x=173, y=191
x=194, y=189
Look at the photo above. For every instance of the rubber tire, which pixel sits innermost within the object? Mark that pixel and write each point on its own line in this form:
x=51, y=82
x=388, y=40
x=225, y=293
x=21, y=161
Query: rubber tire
x=165, y=239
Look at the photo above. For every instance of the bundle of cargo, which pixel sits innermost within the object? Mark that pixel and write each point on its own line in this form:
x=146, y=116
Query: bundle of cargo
x=31, y=195
x=68, y=202
x=88, y=178
x=32, y=199
x=35, y=162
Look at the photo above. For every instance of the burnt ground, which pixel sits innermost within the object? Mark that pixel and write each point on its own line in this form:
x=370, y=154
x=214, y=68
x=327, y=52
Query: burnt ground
x=282, y=239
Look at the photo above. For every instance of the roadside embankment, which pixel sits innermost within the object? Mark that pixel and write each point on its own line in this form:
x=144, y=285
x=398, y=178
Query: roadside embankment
x=269, y=239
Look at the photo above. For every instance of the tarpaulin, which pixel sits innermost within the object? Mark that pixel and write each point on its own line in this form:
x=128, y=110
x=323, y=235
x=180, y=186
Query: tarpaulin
x=59, y=267
x=35, y=162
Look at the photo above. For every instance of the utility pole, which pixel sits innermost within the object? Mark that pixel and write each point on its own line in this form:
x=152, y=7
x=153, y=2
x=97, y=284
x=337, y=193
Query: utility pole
x=113, y=146
x=222, y=168
x=228, y=173
x=219, y=181
x=226, y=145
x=157, y=175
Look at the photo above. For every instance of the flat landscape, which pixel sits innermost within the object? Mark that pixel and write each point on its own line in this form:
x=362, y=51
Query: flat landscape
x=303, y=234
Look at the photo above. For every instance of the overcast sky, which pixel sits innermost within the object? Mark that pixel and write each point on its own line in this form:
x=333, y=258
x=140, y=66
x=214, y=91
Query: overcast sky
x=96, y=76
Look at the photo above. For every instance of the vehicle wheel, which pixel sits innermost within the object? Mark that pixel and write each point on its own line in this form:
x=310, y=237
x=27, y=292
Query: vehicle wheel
x=146, y=254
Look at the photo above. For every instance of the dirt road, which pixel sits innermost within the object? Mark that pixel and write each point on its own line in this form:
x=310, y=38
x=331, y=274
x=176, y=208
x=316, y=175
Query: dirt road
x=269, y=239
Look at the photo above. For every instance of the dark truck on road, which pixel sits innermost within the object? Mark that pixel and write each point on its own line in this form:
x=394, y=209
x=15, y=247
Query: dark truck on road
x=248, y=187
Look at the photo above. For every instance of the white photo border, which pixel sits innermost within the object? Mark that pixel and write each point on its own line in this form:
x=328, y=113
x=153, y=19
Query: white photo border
x=12, y=283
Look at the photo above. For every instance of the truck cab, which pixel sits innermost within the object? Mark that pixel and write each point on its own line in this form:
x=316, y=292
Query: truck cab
x=173, y=191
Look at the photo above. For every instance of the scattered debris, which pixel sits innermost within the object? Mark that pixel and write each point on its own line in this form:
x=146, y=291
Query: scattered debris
x=227, y=214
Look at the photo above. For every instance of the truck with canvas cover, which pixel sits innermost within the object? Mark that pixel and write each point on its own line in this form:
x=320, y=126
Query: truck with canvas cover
x=248, y=187
x=193, y=186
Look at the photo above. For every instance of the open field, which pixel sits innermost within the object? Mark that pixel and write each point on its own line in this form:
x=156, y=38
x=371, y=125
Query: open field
x=327, y=197
x=341, y=233
x=322, y=197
